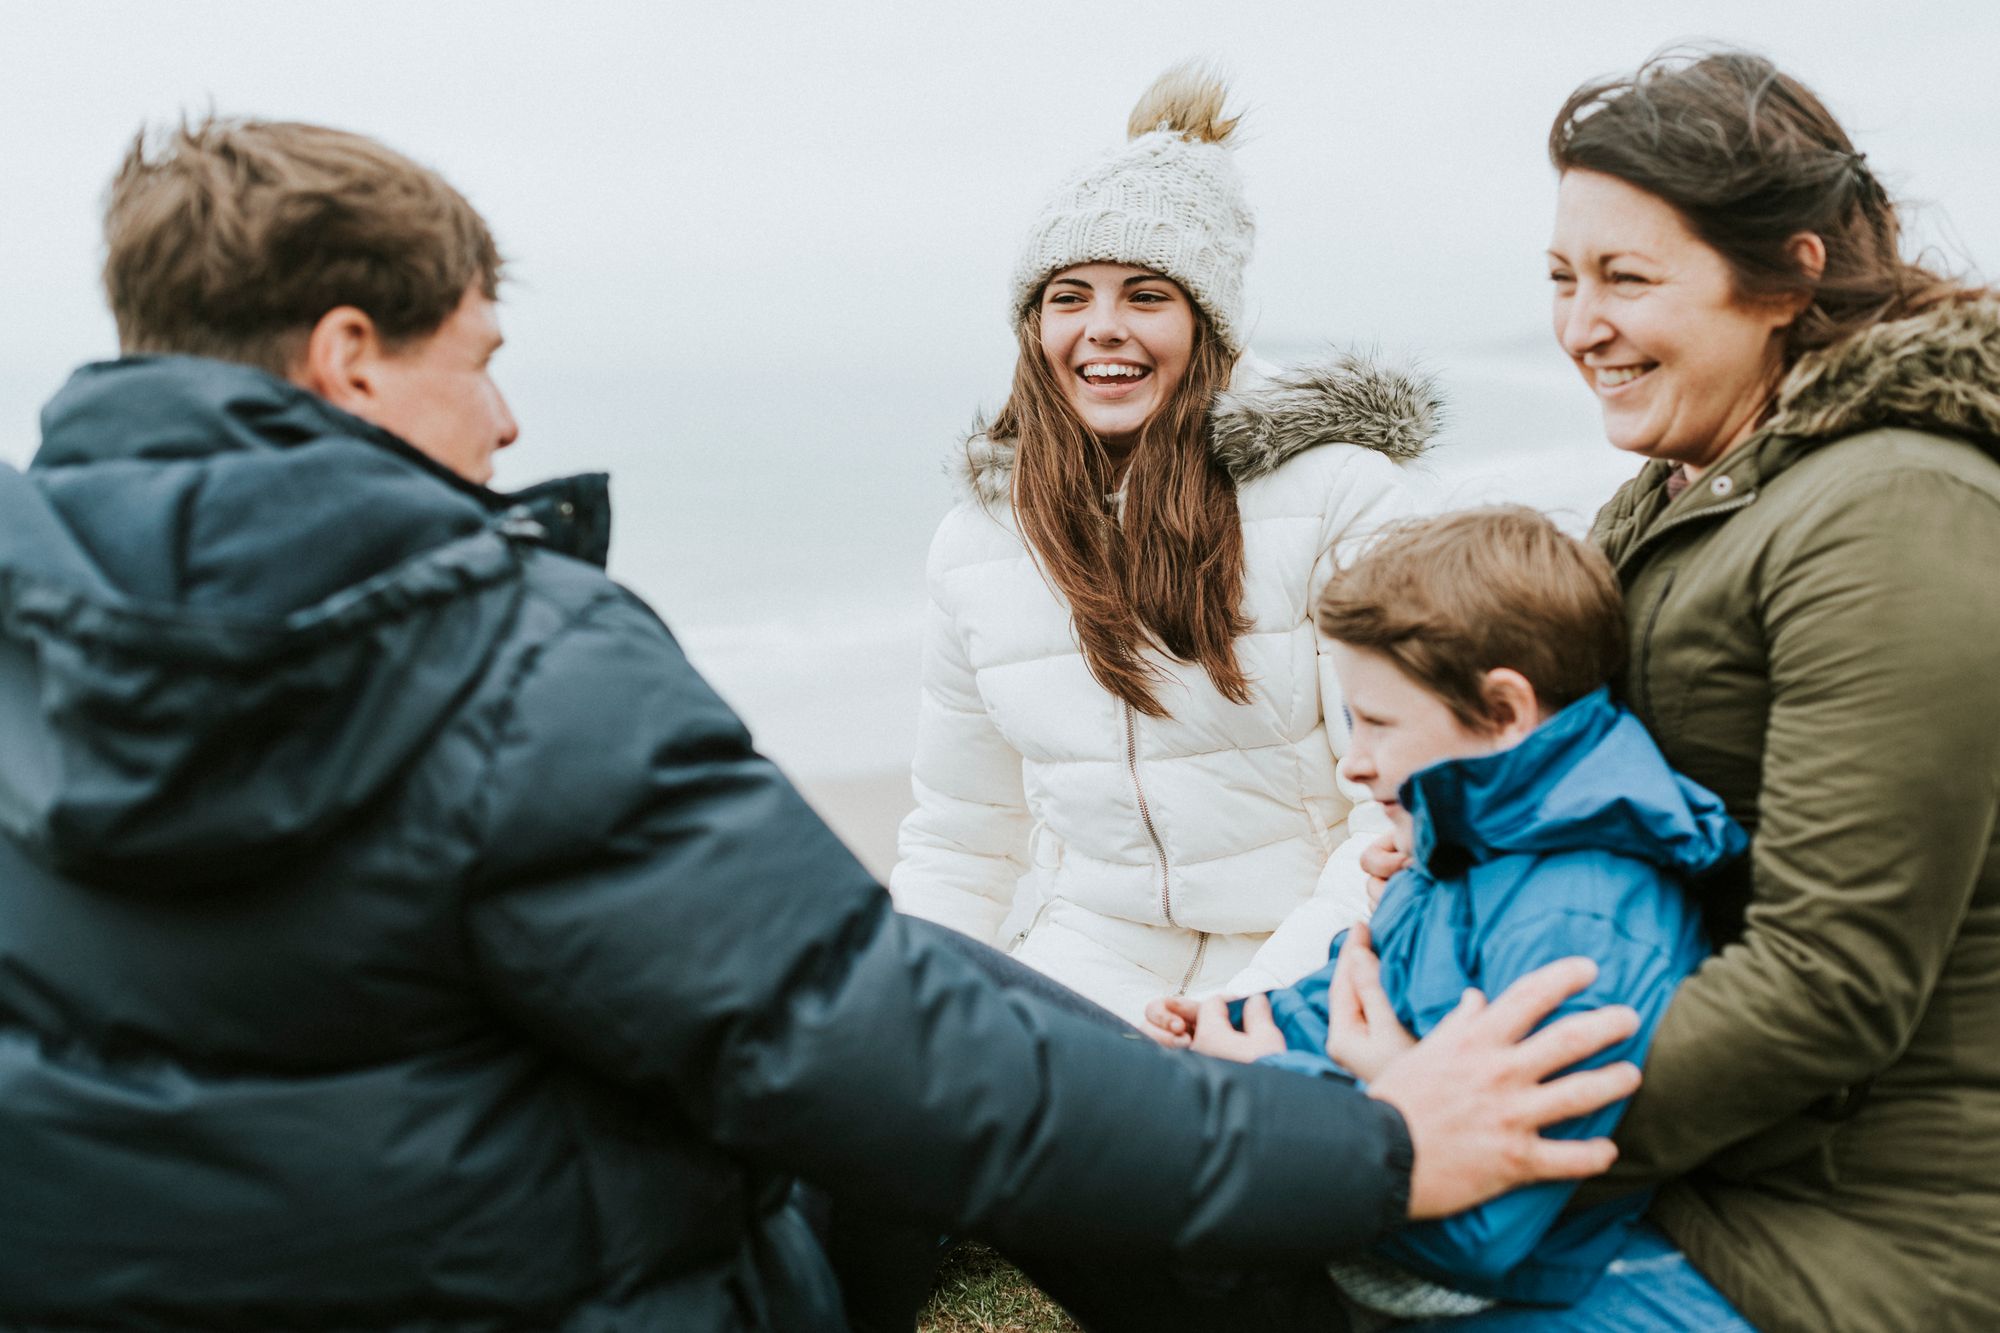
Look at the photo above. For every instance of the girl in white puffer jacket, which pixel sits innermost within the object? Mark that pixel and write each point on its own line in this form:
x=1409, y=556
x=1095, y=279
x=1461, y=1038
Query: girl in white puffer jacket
x=1125, y=757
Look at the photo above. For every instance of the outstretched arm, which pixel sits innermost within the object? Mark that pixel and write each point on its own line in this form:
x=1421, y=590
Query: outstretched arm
x=660, y=906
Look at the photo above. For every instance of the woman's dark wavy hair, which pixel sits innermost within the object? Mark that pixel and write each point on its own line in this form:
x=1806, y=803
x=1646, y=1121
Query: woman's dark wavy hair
x=1751, y=158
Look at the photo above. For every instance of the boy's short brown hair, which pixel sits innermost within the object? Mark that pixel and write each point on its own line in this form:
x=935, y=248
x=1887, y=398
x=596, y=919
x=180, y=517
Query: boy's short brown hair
x=1448, y=599
x=230, y=238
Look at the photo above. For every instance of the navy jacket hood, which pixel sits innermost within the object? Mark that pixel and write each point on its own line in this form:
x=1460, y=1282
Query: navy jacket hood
x=189, y=689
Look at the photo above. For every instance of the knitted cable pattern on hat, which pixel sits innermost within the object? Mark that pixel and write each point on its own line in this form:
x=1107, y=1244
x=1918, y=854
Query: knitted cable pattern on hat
x=1170, y=201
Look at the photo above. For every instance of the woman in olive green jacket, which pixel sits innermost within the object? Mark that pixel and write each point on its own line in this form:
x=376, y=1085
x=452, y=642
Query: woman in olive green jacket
x=1812, y=565
x=1811, y=562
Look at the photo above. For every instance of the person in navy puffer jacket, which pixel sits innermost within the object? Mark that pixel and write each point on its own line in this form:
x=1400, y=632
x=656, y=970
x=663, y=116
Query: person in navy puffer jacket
x=1540, y=820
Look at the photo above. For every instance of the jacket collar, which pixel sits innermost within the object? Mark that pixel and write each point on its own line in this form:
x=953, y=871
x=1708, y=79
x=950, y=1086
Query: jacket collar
x=1271, y=415
x=185, y=408
x=1937, y=371
x=1588, y=779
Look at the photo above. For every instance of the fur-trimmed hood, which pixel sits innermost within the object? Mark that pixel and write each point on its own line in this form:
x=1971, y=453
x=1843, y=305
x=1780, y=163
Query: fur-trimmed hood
x=1273, y=414
x=1939, y=371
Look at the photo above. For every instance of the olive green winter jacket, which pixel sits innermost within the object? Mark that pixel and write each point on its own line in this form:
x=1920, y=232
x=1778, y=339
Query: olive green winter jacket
x=1815, y=623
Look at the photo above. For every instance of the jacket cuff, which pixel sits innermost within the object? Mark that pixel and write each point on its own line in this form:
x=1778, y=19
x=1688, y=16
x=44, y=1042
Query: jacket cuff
x=1400, y=1156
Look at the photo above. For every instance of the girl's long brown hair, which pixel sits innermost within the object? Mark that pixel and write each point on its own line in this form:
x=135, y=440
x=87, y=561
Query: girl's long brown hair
x=1171, y=574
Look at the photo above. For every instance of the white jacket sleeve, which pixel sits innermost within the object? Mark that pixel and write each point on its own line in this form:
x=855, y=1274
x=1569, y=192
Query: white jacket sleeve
x=962, y=850
x=1369, y=494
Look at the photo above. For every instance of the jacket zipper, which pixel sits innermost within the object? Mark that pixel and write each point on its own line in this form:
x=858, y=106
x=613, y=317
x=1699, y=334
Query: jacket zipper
x=1200, y=948
x=1028, y=929
x=1159, y=849
x=1146, y=816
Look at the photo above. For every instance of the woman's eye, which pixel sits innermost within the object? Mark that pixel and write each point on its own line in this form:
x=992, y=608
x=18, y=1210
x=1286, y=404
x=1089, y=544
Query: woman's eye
x=1561, y=277
x=1151, y=298
x=1620, y=276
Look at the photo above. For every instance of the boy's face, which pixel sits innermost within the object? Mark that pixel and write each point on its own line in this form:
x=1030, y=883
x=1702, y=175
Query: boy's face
x=1398, y=728
x=438, y=394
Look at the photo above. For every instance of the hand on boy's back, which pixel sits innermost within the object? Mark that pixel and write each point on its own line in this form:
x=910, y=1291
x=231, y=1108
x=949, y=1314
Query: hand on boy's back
x=1479, y=1089
x=1364, y=1036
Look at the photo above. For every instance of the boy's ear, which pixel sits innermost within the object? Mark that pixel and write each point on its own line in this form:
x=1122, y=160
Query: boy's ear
x=339, y=358
x=1511, y=703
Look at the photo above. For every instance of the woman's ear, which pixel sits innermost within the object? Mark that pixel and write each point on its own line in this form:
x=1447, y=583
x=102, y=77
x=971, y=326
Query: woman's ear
x=1511, y=703
x=339, y=359
x=1807, y=253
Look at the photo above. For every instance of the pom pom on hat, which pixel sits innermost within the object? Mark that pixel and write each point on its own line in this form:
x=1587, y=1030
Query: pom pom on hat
x=1170, y=200
x=1186, y=100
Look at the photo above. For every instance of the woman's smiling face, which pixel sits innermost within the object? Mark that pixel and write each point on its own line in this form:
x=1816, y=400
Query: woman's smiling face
x=1118, y=340
x=1648, y=312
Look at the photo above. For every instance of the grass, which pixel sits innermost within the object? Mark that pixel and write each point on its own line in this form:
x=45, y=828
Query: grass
x=979, y=1292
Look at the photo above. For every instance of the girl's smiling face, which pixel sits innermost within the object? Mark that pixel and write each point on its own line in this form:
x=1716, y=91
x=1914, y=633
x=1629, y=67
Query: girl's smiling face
x=1648, y=313
x=1118, y=339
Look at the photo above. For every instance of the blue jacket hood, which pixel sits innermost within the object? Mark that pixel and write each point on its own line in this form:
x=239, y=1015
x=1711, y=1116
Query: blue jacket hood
x=230, y=612
x=1589, y=778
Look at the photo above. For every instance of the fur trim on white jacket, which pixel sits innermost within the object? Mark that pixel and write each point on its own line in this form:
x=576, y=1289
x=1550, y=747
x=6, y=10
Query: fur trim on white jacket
x=1212, y=851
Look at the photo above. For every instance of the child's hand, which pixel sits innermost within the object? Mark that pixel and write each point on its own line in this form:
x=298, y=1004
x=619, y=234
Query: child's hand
x=1171, y=1021
x=1214, y=1036
x=1381, y=859
x=1363, y=1033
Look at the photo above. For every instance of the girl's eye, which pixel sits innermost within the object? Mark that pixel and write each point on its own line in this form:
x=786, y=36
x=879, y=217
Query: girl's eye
x=1620, y=276
x=1561, y=277
x=1151, y=298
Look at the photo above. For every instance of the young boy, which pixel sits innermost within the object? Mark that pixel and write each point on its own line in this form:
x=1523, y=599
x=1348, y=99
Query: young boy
x=1540, y=821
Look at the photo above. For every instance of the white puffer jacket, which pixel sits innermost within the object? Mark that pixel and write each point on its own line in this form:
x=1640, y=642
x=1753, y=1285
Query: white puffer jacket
x=1131, y=857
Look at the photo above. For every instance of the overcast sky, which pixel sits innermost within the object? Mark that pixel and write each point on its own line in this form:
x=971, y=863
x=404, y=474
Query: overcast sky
x=760, y=251
x=726, y=193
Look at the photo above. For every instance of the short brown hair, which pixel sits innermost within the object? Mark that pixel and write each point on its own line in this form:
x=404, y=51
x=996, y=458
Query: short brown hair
x=1750, y=158
x=230, y=238
x=1448, y=599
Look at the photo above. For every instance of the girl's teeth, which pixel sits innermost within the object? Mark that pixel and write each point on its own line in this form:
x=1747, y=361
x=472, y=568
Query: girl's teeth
x=1612, y=378
x=1112, y=372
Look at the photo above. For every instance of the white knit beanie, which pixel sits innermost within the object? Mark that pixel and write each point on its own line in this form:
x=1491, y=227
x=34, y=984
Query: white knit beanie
x=1170, y=200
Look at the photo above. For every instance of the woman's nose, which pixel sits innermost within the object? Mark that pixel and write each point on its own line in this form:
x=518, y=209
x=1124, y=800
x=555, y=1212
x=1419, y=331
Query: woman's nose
x=1580, y=323
x=1106, y=327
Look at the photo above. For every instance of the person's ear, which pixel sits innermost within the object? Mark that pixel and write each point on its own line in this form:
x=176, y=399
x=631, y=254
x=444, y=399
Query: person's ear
x=1806, y=252
x=1512, y=706
x=340, y=358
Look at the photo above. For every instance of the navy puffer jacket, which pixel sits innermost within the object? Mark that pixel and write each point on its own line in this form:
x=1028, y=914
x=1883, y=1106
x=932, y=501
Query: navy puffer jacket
x=396, y=932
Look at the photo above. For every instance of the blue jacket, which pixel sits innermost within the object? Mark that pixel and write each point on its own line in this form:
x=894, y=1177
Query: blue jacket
x=1576, y=841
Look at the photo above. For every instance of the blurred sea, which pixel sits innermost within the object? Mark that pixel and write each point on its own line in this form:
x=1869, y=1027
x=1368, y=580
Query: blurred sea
x=791, y=565
x=779, y=521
